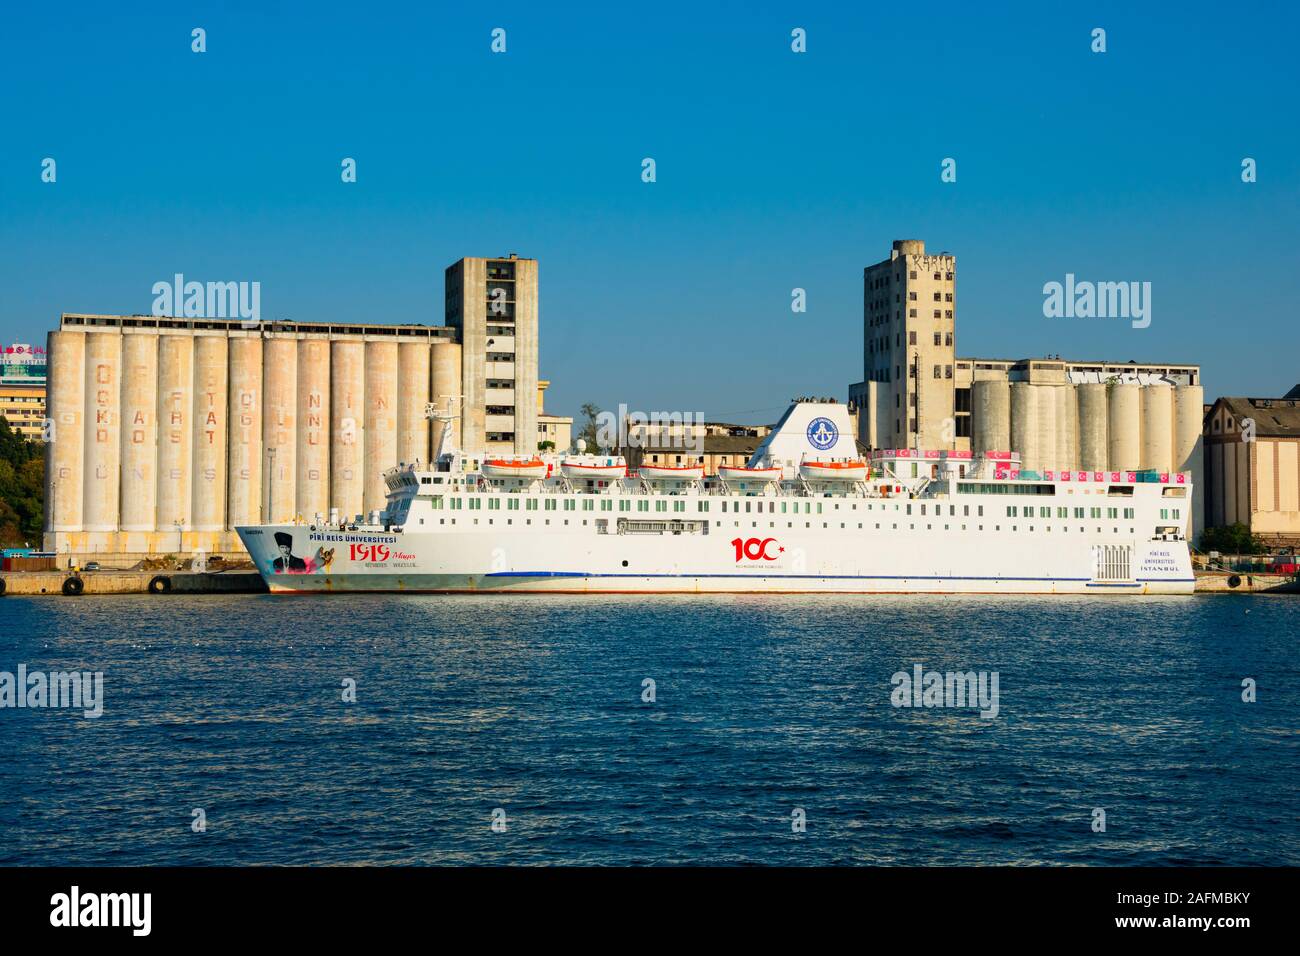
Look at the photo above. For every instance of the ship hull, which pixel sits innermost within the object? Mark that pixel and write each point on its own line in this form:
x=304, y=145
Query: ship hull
x=574, y=562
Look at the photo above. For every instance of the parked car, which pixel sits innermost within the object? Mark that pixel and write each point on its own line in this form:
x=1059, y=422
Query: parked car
x=92, y=566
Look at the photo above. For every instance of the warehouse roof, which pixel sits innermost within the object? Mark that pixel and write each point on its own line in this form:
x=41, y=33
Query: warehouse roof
x=1274, y=417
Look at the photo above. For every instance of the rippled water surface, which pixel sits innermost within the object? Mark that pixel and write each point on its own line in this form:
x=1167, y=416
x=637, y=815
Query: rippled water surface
x=764, y=705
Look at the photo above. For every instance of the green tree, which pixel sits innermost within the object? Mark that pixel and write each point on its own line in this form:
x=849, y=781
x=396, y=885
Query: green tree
x=1231, y=539
x=590, y=429
x=22, y=488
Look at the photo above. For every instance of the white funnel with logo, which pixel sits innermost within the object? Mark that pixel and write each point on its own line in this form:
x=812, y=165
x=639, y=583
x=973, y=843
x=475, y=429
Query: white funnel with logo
x=809, y=430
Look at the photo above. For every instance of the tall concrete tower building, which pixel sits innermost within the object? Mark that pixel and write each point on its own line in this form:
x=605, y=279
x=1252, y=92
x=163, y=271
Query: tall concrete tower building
x=908, y=319
x=493, y=305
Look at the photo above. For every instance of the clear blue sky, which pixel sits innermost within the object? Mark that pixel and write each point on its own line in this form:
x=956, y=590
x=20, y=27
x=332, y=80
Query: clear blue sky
x=775, y=171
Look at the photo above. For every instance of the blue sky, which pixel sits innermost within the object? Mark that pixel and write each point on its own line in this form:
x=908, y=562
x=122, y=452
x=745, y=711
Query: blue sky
x=775, y=170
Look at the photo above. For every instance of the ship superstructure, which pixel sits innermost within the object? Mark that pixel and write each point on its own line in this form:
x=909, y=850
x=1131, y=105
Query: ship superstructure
x=808, y=513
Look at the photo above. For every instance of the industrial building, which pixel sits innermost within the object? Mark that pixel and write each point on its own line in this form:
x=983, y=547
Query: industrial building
x=22, y=389
x=1252, y=466
x=1058, y=414
x=167, y=433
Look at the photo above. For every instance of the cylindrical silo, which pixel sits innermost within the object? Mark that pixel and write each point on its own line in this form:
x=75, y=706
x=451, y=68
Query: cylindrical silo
x=1067, y=428
x=347, y=426
x=1188, y=445
x=244, y=440
x=445, y=383
x=1024, y=424
x=381, y=422
x=991, y=402
x=1157, y=427
x=313, y=428
x=412, y=394
x=1124, y=427
x=175, y=432
x=65, y=409
x=139, y=432
x=1094, y=450
x=103, y=430
x=279, y=429
x=1045, y=418
x=210, y=410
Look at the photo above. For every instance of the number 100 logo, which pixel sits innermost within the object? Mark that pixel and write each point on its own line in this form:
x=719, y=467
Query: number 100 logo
x=756, y=549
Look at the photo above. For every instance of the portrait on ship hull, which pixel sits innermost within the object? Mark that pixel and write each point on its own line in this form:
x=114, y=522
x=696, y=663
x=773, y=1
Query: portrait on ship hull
x=287, y=563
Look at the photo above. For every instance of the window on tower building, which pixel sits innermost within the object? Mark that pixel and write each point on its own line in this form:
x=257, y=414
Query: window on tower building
x=947, y=338
x=947, y=371
x=912, y=274
x=911, y=313
x=936, y=338
x=936, y=313
x=911, y=338
x=936, y=371
x=911, y=297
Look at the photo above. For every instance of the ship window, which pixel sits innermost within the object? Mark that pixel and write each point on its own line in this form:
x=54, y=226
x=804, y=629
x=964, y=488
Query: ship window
x=625, y=506
x=588, y=505
x=437, y=502
x=512, y=504
x=550, y=505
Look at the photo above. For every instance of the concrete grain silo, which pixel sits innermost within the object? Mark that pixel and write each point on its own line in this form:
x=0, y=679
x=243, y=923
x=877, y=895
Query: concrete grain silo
x=991, y=401
x=444, y=383
x=211, y=355
x=244, y=432
x=1124, y=427
x=1188, y=445
x=1024, y=423
x=65, y=409
x=381, y=421
x=103, y=430
x=1045, y=420
x=279, y=429
x=347, y=427
x=1157, y=427
x=313, y=495
x=138, y=512
x=412, y=394
x=1094, y=414
x=1067, y=428
x=175, y=431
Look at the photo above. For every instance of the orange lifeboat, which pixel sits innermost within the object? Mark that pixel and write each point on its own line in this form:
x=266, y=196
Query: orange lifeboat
x=834, y=470
x=593, y=470
x=736, y=473
x=667, y=473
x=514, y=468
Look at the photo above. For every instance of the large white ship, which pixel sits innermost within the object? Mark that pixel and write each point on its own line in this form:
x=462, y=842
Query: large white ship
x=807, y=514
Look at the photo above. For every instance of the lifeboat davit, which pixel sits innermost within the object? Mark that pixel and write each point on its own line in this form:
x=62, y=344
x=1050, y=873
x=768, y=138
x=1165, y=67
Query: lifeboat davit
x=736, y=473
x=514, y=468
x=594, y=470
x=668, y=473
x=834, y=470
